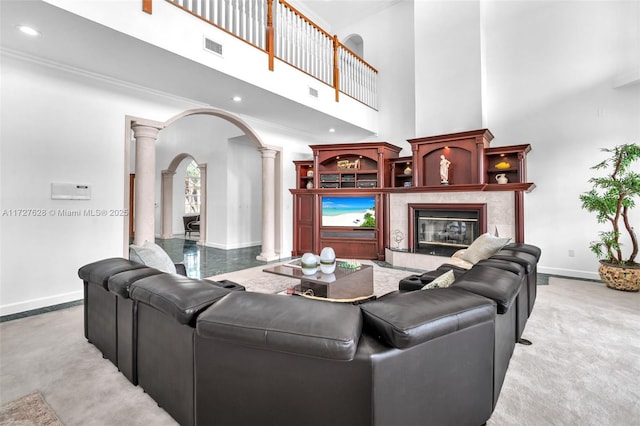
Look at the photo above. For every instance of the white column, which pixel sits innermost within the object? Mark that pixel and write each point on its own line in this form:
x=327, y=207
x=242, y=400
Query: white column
x=268, y=205
x=144, y=198
x=203, y=204
x=166, y=201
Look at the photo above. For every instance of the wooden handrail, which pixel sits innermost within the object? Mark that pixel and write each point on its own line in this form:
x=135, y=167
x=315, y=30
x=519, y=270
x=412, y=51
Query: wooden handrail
x=289, y=35
x=147, y=6
x=307, y=20
x=358, y=58
x=336, y=67
x=271, y=47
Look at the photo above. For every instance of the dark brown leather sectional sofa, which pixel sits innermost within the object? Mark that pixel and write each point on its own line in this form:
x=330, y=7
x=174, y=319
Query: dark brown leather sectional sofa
x=212, y=354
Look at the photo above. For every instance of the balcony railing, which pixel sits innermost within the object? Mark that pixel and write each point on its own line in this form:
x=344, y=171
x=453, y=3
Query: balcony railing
x=280, y=30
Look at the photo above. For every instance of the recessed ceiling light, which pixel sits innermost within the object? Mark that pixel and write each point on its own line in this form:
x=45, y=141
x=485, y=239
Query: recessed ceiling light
x=237, y=99
x=28, y=30
x=332, y=130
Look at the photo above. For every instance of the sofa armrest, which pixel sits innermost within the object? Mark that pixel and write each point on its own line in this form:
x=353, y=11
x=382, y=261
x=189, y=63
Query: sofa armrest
x=403, y=320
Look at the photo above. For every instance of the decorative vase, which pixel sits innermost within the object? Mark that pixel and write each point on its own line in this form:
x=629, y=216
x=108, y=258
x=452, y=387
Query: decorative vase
x=502, y=178
x=327, y=260
x=310, y=184
x=624, y=278
x=309, y=264
x=407, y=170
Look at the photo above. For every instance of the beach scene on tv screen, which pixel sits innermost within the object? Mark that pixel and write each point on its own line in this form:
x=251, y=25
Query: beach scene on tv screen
x=349, y=211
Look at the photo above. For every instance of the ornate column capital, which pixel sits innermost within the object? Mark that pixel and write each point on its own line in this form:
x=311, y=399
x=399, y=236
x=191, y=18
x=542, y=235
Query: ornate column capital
x=146, y=129
x=267, y=152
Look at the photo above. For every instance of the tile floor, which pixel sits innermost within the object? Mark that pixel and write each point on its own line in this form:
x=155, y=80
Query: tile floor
x=203, y=261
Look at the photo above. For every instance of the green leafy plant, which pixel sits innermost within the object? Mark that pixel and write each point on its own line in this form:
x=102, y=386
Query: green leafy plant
x=611, y=198
x=369, y=220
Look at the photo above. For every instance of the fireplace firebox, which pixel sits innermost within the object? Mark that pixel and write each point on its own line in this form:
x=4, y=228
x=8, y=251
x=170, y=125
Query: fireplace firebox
x=443, y=229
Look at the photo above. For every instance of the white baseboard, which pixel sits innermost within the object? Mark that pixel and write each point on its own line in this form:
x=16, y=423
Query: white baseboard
x=233, y=246
x=569, y=273
x=42, y=302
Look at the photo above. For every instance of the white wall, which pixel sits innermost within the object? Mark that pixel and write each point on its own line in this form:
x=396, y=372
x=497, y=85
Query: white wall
x=388, y=42
x=532, y=72
x=205, y=138
x=447, y=67
x=61, y=126
x=243, y=194
x=551, y=68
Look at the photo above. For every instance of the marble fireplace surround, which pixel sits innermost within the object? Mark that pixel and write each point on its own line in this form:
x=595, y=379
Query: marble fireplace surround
x=501, y=216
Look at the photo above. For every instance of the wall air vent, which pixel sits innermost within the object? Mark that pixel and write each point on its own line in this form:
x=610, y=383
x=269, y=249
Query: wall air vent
x=313, y=92
x=212, y=46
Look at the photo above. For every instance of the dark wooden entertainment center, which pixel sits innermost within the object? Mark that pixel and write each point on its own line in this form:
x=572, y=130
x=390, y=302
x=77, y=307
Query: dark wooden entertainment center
x=372, y=171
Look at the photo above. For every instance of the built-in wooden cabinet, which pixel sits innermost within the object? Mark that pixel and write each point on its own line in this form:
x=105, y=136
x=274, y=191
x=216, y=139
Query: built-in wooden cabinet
x=346, y=174
x=371, y=170
x=465, y=151
x=304, y=174
x=359, y=165
x=506, y=166
x=401, y=171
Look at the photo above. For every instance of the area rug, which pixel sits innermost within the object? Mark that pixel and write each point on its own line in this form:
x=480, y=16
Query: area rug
x=385, y=279
x=28, y=410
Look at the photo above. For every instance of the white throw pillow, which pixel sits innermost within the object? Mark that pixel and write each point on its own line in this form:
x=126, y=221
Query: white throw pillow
x=442, y=281
x=152, y=255
x=485, y=246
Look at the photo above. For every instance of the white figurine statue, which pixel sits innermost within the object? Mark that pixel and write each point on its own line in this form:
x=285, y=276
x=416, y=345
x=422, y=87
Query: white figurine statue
x=444, y=170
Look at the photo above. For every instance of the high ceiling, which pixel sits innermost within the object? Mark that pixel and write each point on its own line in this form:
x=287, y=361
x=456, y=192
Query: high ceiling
x=339, y=13
x=71, y=41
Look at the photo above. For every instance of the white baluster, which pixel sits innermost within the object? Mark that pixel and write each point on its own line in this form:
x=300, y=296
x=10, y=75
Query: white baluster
x=250, y=21
x=236, y=18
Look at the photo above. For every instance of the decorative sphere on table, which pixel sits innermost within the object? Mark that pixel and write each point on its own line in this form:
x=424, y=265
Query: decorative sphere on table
x=327, y=260
x=309, y=263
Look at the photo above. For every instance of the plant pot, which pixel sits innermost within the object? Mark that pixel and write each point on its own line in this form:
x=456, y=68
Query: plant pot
x=618, y=277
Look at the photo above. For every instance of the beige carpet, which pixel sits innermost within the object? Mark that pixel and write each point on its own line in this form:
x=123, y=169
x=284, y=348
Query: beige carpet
x=28, y=410
x=584, y=365
x=582, y=368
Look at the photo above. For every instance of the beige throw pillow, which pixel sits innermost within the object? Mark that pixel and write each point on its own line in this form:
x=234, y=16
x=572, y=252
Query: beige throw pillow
x=442, y=281
x=485, y=246
x=152, y=255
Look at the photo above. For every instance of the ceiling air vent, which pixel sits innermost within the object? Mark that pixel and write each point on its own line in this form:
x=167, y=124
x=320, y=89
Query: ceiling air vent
x=313, y=92
x=213, y=46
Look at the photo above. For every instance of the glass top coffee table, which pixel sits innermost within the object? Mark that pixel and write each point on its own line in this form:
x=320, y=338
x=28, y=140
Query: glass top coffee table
x=344, y=283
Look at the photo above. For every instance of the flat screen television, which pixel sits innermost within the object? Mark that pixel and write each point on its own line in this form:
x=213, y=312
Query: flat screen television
x=349, y=211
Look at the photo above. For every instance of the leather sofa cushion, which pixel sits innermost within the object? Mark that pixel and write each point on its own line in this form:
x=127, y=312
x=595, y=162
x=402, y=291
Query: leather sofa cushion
x=527, y=260
x=499, y=285
x=507, y=265
x=288, y=324
x=427, y=277
x=99, y=272
x=120, y=283
x=180, y=297
x=402, y=320
x=527, y=248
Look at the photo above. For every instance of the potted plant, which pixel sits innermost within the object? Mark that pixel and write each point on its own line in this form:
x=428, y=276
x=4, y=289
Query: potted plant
x=612, y=197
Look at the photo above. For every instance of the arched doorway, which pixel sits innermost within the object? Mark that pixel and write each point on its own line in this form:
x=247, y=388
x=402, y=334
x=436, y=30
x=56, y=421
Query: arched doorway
x=166, y=197
x=146, y=133
x=355, y=43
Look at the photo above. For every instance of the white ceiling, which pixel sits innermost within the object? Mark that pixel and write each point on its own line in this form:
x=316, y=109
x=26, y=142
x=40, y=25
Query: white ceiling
x=339, y=13
x=72, y=41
